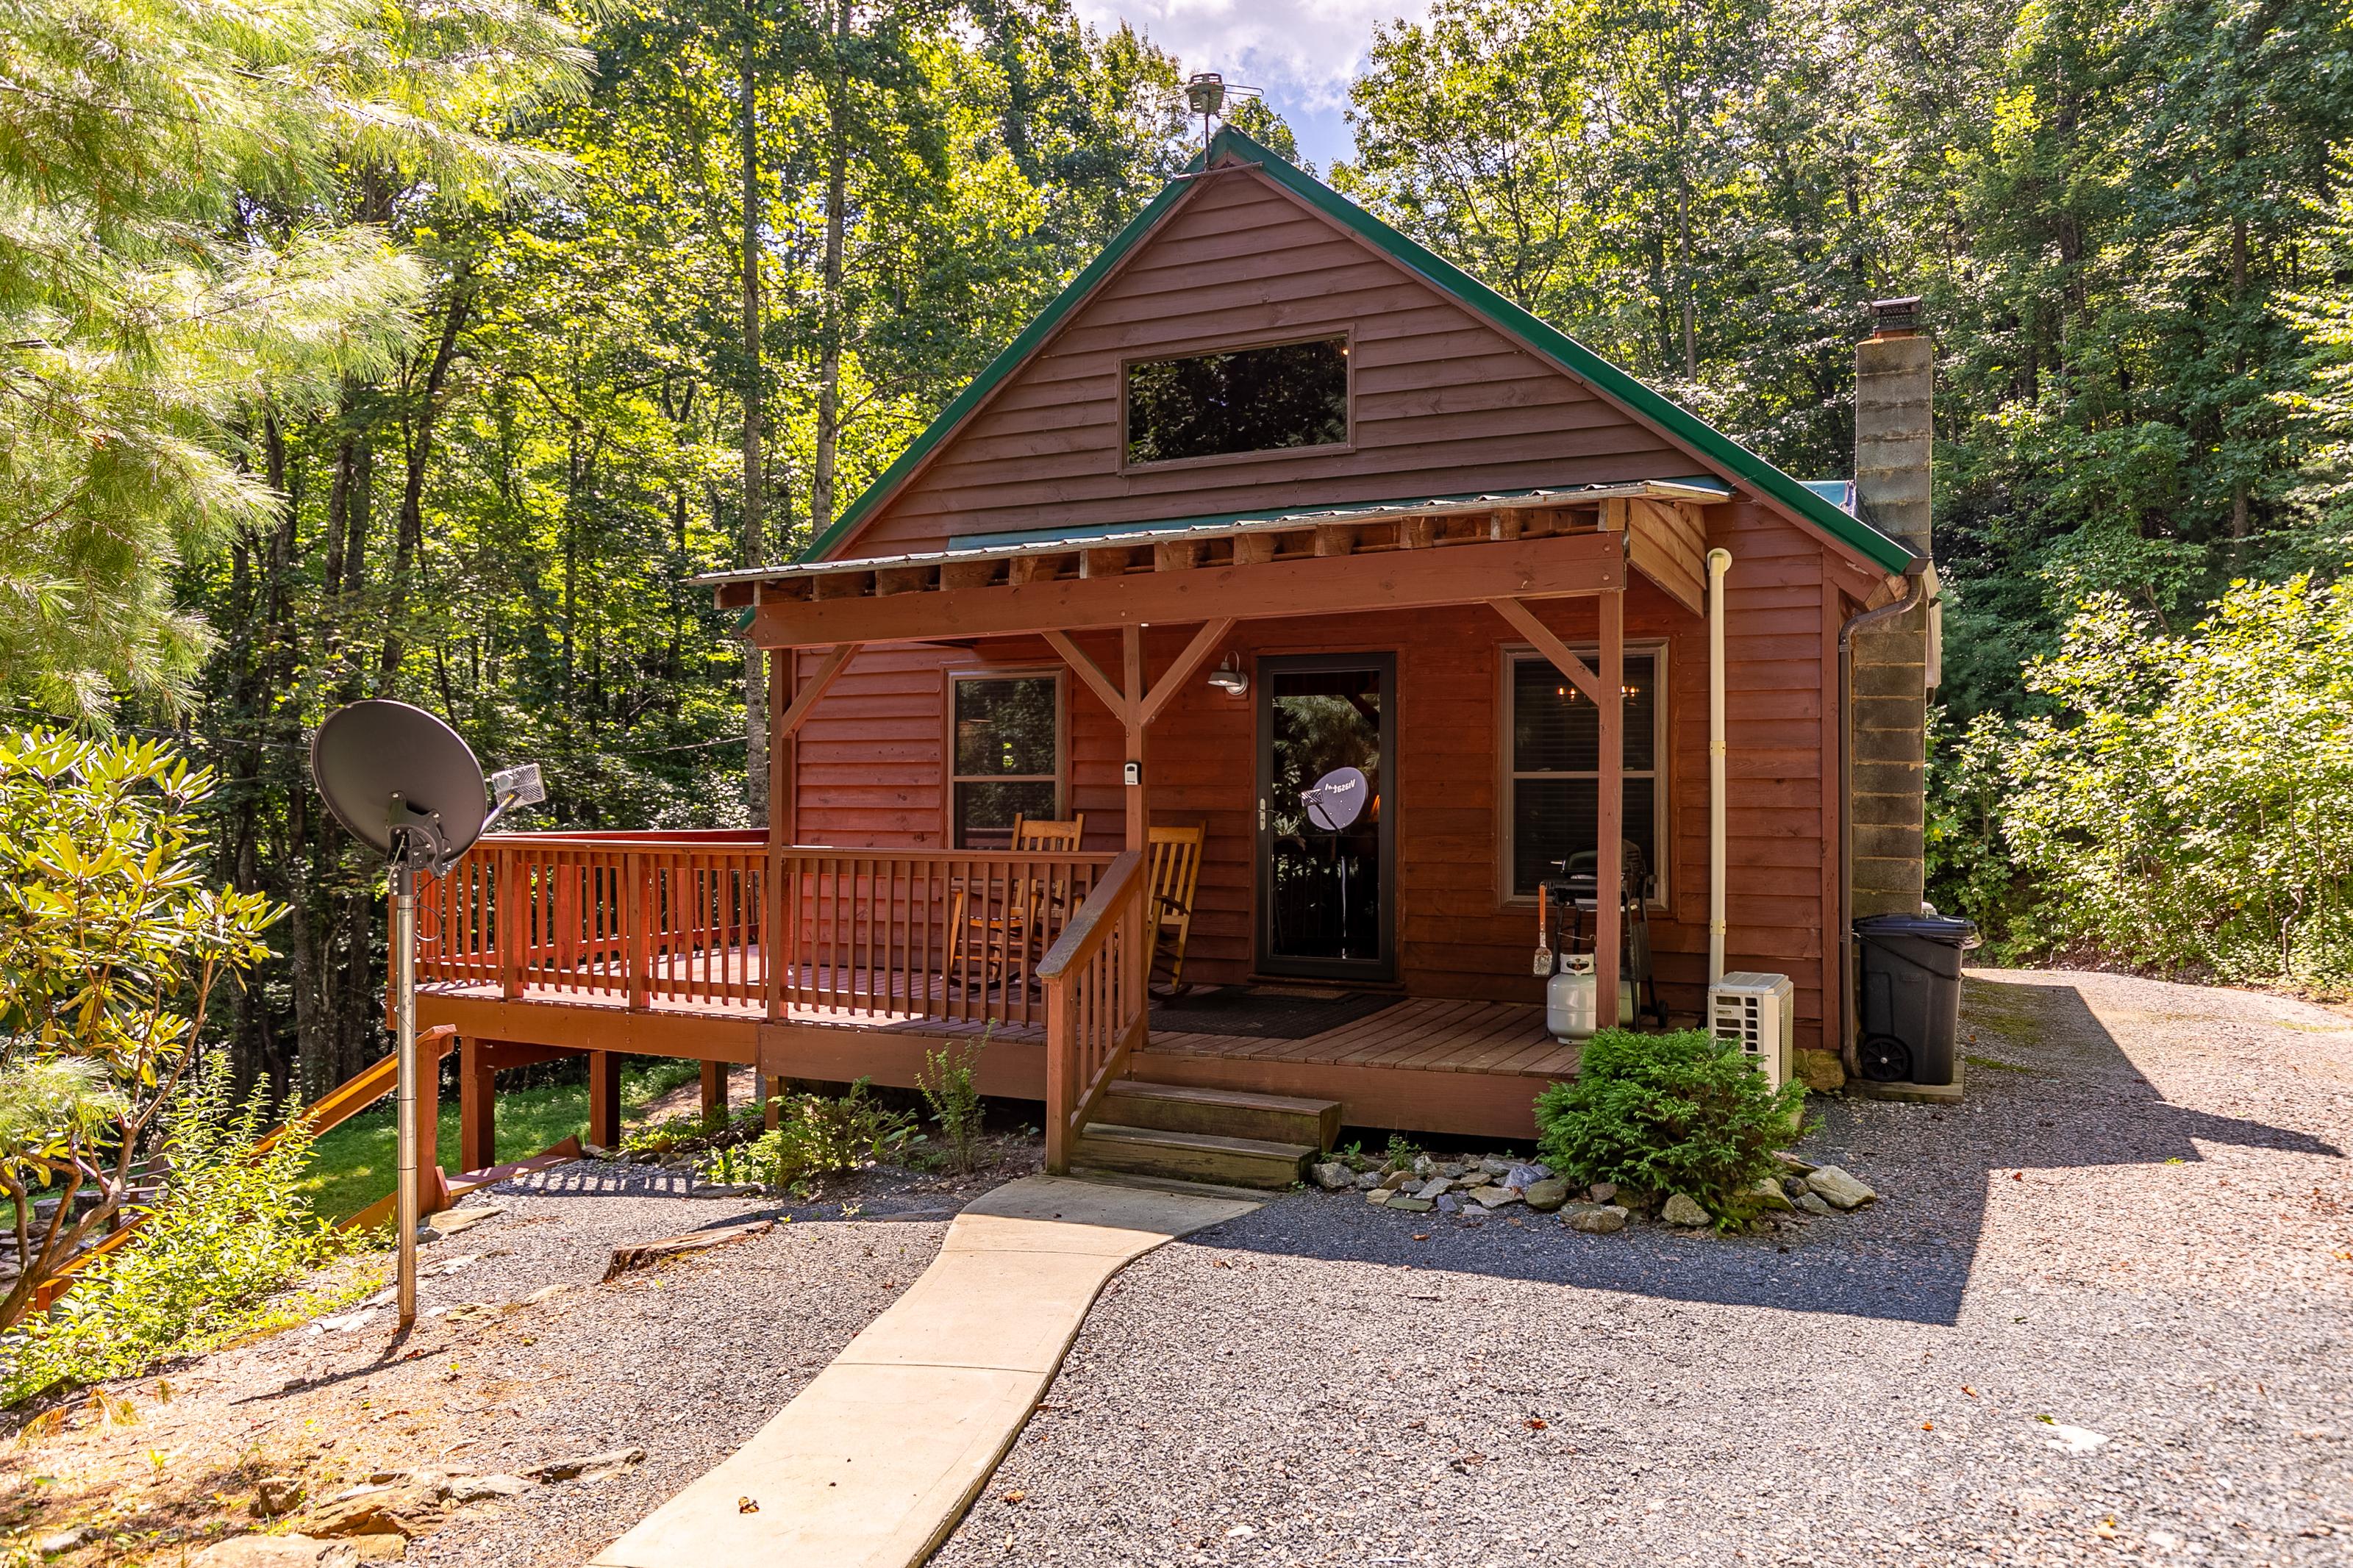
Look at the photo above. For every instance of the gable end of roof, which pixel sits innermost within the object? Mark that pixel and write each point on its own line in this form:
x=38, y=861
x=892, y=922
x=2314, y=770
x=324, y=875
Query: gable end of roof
x=1734, y=460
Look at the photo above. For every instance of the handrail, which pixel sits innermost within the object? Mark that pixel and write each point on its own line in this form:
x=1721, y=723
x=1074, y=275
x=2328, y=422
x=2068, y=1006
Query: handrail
x=1091, y=926
x=1096, y=1009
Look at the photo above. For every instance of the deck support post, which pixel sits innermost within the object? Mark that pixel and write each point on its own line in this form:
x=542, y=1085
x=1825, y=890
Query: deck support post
x=605, y=1098
x=714, y=1094
x=1609, y=824
x=772, y=1097
x=477, y=1106
x=431, y=1196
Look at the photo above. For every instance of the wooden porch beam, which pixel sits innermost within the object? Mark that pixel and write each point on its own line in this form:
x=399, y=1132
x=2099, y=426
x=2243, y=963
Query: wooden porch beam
x=1205, y=643
x=1580, y=674
x=1131, y=659
x=789, y=724
x=1092, y=673
x=1564, y=566
x=1609, y=823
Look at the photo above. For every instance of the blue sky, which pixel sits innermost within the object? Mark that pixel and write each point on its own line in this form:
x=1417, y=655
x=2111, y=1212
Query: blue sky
x=1301, y=53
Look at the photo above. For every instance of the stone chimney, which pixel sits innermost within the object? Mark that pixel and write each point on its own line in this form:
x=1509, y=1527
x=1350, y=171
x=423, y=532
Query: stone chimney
x=1894, y=373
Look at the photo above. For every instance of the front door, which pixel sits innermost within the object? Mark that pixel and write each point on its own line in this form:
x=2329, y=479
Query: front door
x=1326, y=754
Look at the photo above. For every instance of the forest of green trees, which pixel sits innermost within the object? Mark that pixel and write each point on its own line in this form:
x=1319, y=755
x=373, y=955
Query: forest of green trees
x=355, y=350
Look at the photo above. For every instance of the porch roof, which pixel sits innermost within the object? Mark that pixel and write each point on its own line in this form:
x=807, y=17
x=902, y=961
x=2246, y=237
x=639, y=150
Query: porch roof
x=975, y=548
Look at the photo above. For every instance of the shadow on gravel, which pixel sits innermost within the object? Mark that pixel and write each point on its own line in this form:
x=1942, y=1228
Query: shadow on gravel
x=2049, y=1089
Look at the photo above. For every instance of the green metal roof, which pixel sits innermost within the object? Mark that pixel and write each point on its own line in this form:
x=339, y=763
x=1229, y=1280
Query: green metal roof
x=1679, y=424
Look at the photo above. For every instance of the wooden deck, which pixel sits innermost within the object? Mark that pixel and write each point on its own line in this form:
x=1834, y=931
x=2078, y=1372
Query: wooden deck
x=1426, y=1064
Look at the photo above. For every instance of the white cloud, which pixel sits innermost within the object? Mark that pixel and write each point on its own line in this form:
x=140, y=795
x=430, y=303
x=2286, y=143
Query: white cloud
x=1302, y=54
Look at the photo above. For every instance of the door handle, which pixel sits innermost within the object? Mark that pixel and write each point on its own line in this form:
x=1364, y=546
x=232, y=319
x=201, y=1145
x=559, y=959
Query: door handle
x=1261, y=813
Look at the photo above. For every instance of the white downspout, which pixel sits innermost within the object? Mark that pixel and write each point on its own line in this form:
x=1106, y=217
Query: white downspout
x=1719, y=562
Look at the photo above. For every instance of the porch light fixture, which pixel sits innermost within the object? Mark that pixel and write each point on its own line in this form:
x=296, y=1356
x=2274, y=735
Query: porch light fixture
x=1228, y=677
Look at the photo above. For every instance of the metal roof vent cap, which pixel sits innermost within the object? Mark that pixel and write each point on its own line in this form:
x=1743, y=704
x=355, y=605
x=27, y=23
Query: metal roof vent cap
x=1896, y=318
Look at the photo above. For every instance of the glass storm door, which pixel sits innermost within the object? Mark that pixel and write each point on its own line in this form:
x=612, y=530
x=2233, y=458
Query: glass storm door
x=1326, y=754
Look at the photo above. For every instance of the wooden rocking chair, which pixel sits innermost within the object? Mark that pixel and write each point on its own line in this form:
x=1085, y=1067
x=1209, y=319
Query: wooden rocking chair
x=1174, y=870
x=994, y=938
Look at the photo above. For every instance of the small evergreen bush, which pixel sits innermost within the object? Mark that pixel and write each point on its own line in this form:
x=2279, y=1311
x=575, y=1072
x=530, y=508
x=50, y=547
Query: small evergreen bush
x=1667, y=1113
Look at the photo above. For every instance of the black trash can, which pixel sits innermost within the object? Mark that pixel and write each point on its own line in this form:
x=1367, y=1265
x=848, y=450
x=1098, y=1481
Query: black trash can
x=1910, y=1007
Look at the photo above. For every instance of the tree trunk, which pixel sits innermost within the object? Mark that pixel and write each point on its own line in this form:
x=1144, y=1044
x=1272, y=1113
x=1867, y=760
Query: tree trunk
x=756, y=687
x=409, y=543
x=829, y=328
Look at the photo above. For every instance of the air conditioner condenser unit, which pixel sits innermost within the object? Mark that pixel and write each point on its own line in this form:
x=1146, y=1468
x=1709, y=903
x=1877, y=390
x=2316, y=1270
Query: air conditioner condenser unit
x=1753, y=1012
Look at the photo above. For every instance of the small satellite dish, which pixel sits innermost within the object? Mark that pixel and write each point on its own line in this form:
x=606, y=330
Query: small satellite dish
x=1337, y=798
x=384, y=766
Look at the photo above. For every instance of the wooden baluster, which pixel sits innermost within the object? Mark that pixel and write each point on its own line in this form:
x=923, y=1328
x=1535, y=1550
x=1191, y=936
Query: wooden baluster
x=508, y=932
x=638, y=963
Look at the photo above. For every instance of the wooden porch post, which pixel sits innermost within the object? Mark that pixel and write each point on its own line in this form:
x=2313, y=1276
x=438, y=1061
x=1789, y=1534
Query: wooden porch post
x=605, y=1098
x=714, y=1094
x=1610, y=826
x=1137, y=727
x=477, y=1106
x=431, y=1198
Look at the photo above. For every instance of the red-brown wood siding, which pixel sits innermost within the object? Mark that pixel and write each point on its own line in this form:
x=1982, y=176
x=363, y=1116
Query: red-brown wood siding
x=1444, y=403
x=871, y=770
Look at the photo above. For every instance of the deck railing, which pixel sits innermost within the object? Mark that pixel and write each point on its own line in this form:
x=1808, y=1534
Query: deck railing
x=915, y=933
x=1096, y=1001
x=719, y=921
x=629, y=917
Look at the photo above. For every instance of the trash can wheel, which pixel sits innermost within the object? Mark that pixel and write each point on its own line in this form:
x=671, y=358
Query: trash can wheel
x=1885, y=1059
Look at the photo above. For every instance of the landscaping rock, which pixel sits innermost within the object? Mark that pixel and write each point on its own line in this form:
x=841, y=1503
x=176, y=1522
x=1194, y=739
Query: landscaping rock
x=275, y=1551
x=1681, y=1210
x=1595, y=1219
x=483, y=1488
x=1383, y=1197
x=1793, y=1163
x=1525, y=1176
x=1494, y=1197
x=379, y=1548
x=1820, y=1071
x=1495, y=1167
x=65, y=1540
x=1547, y=1195
x=1450, y=1168
x=1367, y=1182
x=1397, y=1179
x=276, y=1495
x=1435, y=1187
x=1838, y=1189
x=726, y=1190
x=1424, y=1166
x=1412, y=1206
x=457, y=1222
x=588, y=1467
x=1768, y=1194
x=1333, y=1176
x=1602, y=1191
x=1814, y=1205
x=1448, y=1204
x=380, y=1510
x=1475, y=1211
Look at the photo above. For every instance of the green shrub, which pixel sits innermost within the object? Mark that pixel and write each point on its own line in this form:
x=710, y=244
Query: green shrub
x=232, y=1229
x=814, y=1135
x=950, y=1087
x=1667, y=1113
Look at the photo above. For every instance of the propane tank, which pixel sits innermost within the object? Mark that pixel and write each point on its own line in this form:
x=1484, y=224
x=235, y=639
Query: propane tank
x=1572, y=999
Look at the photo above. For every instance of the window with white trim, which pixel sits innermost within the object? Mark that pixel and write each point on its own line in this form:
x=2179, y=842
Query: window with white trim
x=1553, y=757
x=1005, y=746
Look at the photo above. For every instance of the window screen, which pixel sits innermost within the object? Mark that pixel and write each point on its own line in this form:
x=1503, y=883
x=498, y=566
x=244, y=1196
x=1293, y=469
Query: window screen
x=1556, y=757
x=1244, y=400
x=1008, y=762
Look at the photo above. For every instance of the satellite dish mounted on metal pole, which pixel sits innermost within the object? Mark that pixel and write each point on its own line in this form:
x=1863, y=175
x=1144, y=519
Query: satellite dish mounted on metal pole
x=406, y=785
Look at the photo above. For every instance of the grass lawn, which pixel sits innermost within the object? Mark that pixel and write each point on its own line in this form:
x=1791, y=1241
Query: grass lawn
x=351, y=1165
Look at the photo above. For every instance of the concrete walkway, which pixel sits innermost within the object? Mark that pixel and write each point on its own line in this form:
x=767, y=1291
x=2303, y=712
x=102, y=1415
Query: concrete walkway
x=873, y=1463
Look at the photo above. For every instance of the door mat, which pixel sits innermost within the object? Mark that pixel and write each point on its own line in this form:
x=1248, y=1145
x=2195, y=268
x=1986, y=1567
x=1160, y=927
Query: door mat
x=1264, y=1012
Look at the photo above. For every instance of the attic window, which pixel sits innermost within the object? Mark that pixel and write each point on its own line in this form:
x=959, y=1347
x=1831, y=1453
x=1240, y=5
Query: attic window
x=1242, y=400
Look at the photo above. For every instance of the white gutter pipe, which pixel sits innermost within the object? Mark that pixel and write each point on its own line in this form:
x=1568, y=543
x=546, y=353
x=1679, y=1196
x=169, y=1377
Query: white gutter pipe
x=1719, y=562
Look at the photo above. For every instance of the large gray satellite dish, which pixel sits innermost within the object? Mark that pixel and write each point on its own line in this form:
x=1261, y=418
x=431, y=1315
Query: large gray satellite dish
x=1337, y=799
x=383, y=765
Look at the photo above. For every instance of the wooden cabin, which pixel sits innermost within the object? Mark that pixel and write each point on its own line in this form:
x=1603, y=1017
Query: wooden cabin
x=1269, y=493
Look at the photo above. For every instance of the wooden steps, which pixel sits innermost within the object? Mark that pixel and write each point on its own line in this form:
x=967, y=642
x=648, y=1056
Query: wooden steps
x=1229, y=1137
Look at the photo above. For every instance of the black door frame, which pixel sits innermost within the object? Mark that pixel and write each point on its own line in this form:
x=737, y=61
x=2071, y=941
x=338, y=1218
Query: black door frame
x=1264, y=959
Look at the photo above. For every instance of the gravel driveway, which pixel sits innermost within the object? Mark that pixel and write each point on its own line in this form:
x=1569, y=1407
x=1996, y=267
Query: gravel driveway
x=2101, y=1313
